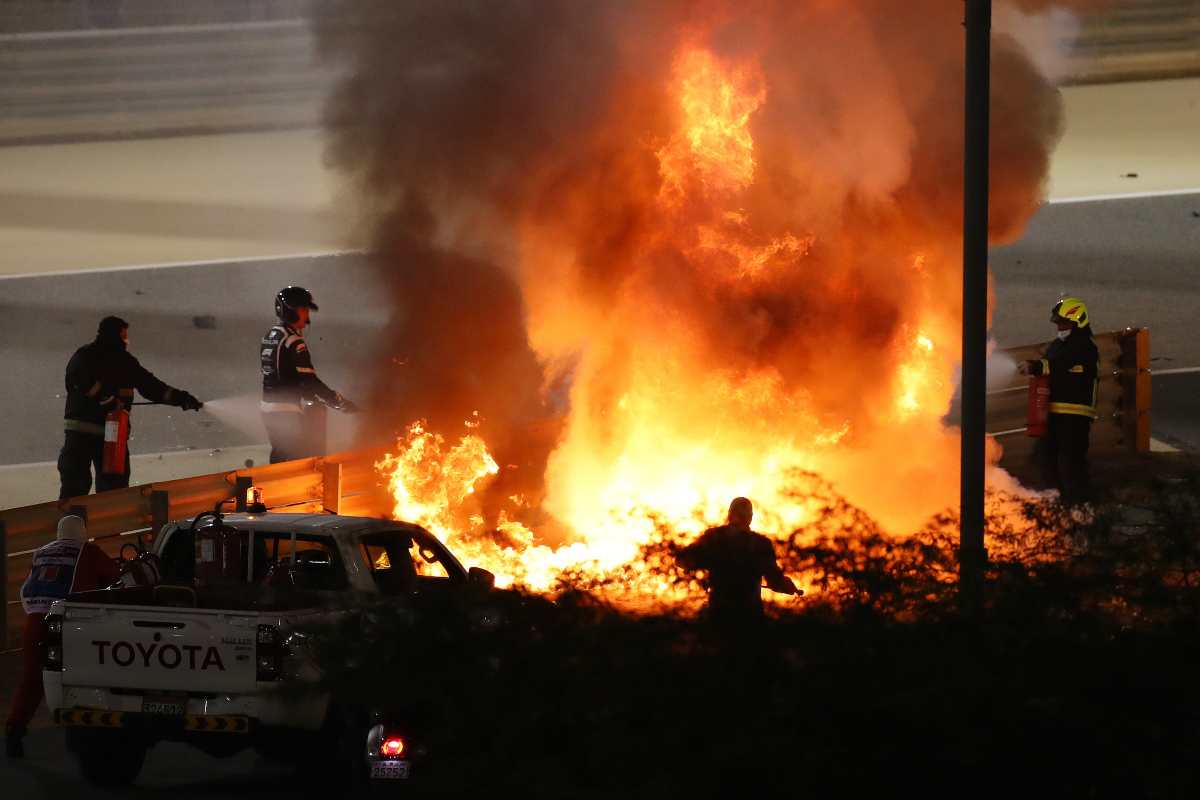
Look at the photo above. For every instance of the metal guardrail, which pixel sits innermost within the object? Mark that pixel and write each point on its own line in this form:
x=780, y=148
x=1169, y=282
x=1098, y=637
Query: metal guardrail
x=1123, y=405
x=345, y=483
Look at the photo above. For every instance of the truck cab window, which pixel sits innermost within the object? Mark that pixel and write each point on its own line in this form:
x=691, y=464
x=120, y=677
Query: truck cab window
x=387, y=557
x=427, y=562
x=314, y=566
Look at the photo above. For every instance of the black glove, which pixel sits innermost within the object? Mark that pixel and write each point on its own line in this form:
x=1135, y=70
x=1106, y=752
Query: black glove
x=345, y=406
x=188, y=402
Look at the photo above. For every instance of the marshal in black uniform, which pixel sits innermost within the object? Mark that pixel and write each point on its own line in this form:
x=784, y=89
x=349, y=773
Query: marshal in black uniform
x=101, y=377
x=737, y=561
x=291, y=389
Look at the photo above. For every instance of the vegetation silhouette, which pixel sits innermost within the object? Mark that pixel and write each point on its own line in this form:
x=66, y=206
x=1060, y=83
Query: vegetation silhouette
x=1078, y=678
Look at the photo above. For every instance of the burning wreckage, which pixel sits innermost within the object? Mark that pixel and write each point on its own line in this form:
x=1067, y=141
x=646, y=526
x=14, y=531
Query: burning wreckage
x=713, y=248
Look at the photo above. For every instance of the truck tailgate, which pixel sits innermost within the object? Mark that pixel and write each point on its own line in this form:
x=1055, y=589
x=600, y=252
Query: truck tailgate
x=132, y=647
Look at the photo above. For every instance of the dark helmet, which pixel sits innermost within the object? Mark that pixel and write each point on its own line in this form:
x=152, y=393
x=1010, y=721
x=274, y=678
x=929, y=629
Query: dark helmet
x=291, y=298
x=108, y=333
x=110, y=328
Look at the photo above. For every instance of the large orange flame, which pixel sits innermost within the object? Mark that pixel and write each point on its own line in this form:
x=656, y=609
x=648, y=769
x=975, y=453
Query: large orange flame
x=665, y=427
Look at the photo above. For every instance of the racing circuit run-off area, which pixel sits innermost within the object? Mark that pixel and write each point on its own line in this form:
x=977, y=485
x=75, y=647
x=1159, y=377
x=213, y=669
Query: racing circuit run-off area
x=664, y=435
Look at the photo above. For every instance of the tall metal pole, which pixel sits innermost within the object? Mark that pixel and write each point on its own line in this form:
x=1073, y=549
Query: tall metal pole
x=972, y=555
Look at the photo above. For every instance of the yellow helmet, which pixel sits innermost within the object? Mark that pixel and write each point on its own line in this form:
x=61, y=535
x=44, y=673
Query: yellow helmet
x=1071, y=309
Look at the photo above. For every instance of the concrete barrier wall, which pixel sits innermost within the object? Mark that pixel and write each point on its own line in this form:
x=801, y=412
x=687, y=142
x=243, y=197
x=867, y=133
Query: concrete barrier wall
x=79, y=69
x=106, y=83
x=22, y=16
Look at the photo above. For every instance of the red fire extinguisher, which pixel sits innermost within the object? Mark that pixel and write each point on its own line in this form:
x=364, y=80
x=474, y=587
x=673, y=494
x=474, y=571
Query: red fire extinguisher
x=1039, y=406
x=116, y=439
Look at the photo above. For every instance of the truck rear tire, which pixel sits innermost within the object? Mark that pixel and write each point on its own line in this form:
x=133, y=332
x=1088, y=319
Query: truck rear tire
x=107, y=759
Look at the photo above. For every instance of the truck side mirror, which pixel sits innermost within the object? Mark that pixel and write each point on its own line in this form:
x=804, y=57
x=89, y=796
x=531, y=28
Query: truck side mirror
x=478, y=576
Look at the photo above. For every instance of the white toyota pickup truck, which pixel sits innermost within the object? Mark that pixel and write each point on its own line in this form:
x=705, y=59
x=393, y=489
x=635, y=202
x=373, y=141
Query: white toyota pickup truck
x=213, y=653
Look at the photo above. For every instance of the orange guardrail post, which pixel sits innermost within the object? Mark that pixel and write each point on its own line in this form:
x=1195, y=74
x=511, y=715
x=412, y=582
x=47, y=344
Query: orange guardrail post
x=1134, y=376
x=331, y=489
x=3, y=584
x=1143, y=390
x=160, y=511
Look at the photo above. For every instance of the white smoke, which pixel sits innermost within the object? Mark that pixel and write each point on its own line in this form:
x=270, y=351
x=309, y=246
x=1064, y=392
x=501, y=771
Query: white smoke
x=241, y=413
x=1001, y=368
x=1047, y=37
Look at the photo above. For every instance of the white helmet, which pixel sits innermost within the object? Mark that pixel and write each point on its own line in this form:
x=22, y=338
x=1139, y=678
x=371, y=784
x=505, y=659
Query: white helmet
x=72, y=527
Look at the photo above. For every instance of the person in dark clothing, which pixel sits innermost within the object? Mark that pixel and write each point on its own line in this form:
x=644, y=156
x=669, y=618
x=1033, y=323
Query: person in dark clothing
x=1072, y=361
x=294, y=398
x=68, y=564
x=101, y=377
x=737, y=561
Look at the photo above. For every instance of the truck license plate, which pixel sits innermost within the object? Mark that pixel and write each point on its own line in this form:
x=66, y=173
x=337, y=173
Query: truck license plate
x=163, y=706
x=389, y=770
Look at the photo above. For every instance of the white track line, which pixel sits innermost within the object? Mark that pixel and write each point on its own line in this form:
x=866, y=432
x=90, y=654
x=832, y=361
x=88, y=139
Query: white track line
x=1097, y=198
x=150, y=30
x=176, y=264
x=1007, y=433
x=1179, y=371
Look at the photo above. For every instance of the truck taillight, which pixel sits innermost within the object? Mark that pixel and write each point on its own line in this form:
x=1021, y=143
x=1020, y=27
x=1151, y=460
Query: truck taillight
x=384, y=743
x=267, y=653
x=52, y=652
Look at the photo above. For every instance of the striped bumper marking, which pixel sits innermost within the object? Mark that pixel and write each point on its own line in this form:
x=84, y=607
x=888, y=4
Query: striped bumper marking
x=88, y=718
x=94, y=718
x=216, y=723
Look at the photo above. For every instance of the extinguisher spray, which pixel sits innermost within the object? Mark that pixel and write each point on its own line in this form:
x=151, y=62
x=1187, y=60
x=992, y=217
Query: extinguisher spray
x=1039, y=406
x=116, y=441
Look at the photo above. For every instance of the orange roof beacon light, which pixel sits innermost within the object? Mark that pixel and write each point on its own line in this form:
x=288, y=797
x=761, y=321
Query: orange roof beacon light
x=254, y=500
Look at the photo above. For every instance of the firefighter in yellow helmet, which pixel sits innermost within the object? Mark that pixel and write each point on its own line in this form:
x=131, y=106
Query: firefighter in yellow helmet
x=1072, y=362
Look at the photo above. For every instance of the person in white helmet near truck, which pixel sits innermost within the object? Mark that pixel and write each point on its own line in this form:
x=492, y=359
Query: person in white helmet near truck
x=68, y=564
